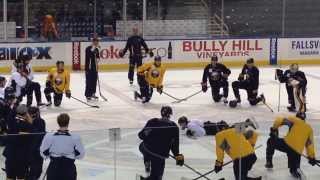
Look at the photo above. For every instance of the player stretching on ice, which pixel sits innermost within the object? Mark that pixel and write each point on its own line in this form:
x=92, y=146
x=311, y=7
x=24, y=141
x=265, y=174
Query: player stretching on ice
x=160, y=135
x=240, y=147
x=196, y=129
x=249, y=81
x=299, y=136
x=296, y=85
x=217, y=74
x=58, y=82
x=150, y=76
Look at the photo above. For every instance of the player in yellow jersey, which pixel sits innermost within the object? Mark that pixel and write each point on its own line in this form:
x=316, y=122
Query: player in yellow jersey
x=240, y=147
x=58, y=82
x=299, y=137
x=150, y=75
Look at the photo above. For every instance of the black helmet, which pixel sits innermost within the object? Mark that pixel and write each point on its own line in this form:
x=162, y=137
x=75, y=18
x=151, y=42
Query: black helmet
x=157, y=58
x=214, y=58
x=233, y=104
x=59, y=62
x=182, y=119
x=250, y=61
x=2, y=79
x=301, y=115
x=166, y=111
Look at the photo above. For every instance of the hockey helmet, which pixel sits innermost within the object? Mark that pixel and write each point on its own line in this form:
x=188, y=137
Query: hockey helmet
x=182, y=119
x=157, y=58
x=166, y=111
x=233, y=104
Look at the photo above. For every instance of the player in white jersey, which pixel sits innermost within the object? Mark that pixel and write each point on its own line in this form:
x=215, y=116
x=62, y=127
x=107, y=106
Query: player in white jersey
x=63, y=148
x=196, y=128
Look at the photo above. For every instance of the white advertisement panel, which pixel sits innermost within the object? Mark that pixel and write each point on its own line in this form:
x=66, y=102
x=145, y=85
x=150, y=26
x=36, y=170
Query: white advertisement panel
x=225, y=49
x=109, y=51
x=43, y=54
x=299, y=49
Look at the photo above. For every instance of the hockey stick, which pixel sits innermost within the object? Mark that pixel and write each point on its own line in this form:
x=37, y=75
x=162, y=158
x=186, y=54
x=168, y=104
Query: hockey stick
x=188, y=97
x=192, y=169
x=93, y=106
x=101, y=95
x=269, y=107
x=225, y=164
x=171, y=96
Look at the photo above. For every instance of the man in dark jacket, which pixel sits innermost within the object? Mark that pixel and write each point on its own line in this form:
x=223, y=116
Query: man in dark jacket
x=249, y=81
x=217, y=74
x=39, y=130
x=134, y=45
x=160, y=135
x=91, y=69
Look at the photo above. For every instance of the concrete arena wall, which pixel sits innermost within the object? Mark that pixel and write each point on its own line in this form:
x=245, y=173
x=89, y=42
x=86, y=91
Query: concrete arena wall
x=175, y=53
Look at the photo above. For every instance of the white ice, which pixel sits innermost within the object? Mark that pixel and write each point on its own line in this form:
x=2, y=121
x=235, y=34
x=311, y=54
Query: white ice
x=122, y=111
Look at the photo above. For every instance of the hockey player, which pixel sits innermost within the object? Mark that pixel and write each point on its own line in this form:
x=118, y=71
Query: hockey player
x=58, y=82
x=31, y=85
x=196, y=129
x=296, y=85
x=240, y=147
x=39, y=130
x=299, y=136
x=159, y=136
x=92, y=55
x=249, y=81
x=18, y=82
x=134, y=45
x=217, y=74
x=63, y=148
x=18, y=144
x=150, y=76
x=3, y=83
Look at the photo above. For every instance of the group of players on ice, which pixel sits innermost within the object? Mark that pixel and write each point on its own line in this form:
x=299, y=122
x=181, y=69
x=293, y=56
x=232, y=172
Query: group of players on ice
x=157, y=142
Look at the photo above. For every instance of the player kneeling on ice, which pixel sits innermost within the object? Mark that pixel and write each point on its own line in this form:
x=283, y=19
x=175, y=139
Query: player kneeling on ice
x=150, y=75
x=63, y=148
x=238, y=142
x=296, y=85
x=58, y=82
x=299, y=136
x=196, y=129
x=249, y=81
x=160, y=135
x=217, y=74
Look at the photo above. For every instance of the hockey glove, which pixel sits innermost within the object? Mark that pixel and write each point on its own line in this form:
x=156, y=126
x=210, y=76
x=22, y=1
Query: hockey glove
x=204, y=87
x=121, y=54
x=218, y=167
x=312, y=161
x=279, y=74
x=160, y=89
x=179, y=160
x=68, y=94
x=274, y=133
x=151, y=54
x=241, y=77
x=48, y=84
x=189, y=133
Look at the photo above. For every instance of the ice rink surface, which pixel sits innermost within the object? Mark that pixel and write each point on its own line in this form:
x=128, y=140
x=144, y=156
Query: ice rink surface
x=122, y=111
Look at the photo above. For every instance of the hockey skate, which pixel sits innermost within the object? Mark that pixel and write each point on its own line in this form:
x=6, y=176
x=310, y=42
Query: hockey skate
x=94, y=97
x=224, y=100
x=291, y=108
x=295, y=173
x=131, y=82
x=268, y=165
x=263, y=99
x=136, y=95
x=254, y=178
x=147, y=167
